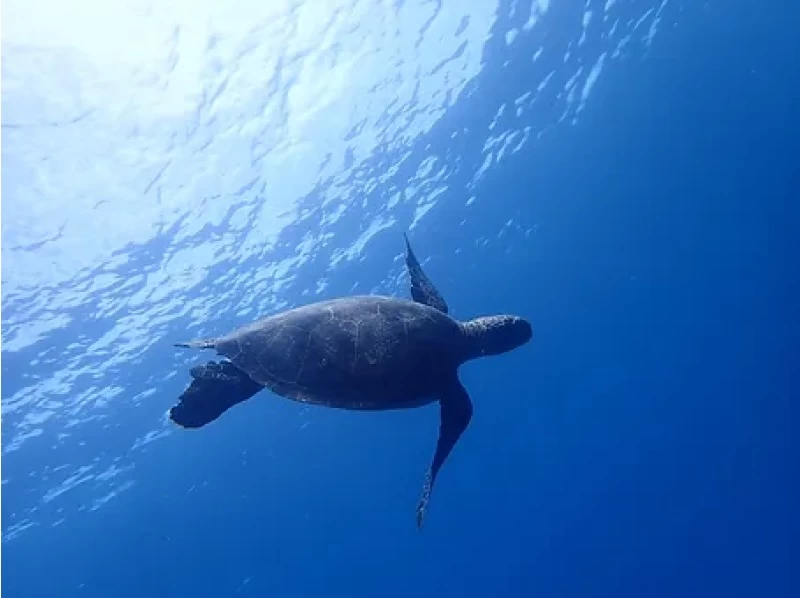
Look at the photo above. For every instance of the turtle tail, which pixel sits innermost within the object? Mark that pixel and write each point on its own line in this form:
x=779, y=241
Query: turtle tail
x=200, y=343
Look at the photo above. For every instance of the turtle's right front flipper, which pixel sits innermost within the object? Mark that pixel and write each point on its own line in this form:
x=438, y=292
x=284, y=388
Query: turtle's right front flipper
x=215, y=388
x=422, y=289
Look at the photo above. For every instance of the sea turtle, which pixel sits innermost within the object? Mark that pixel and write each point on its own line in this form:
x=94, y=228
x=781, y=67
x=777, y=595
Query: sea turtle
x=360, y=353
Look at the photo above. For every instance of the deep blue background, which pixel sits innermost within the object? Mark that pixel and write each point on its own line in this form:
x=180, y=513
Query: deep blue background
x=642, y=445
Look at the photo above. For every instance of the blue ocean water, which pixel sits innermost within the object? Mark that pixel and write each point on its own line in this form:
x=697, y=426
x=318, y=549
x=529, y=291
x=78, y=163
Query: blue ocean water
x=621, y=172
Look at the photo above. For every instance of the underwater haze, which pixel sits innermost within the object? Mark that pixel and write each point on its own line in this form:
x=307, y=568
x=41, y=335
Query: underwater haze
x=622, y=173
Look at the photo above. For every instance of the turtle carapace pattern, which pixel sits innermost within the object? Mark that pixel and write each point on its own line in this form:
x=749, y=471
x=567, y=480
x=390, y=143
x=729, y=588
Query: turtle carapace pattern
x=359, y=353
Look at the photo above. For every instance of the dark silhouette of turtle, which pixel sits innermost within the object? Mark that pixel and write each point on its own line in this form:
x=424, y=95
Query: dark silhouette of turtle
x=361, y=353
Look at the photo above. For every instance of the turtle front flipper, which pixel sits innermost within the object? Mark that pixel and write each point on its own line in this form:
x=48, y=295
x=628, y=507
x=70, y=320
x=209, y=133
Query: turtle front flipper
x=422, y=289
x=456, y=413
x=215, y=388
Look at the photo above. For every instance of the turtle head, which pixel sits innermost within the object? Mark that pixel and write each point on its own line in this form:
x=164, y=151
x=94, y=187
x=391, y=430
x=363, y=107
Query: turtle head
x=493, y=335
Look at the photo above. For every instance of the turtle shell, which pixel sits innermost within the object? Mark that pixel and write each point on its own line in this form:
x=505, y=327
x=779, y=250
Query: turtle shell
x=355, y=353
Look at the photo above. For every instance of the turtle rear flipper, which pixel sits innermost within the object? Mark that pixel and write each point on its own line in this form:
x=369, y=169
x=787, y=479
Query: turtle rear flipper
x=215, y=388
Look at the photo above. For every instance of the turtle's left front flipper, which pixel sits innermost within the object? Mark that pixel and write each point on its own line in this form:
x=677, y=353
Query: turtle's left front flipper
x=456, y=413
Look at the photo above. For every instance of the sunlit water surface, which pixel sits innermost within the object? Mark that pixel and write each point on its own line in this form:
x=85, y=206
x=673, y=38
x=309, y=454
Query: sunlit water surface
x=174, y=169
